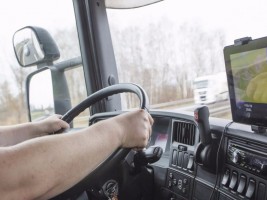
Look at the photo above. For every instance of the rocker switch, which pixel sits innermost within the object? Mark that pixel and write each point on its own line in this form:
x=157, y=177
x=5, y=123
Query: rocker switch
x=190, y=165
x=251, y=189
x=233, y=181
x=226, y=178
x=242, y=184
x=174, y=158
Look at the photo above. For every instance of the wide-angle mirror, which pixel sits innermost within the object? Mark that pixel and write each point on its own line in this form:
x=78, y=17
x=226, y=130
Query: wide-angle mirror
x=27, y=47
x=33, y=46
x=41, y=100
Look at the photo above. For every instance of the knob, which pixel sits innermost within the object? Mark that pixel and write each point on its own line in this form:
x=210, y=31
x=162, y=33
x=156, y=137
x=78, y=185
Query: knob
x=235, y=157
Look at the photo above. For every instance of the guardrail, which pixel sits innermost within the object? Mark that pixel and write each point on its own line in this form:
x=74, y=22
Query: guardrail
x=175, y=104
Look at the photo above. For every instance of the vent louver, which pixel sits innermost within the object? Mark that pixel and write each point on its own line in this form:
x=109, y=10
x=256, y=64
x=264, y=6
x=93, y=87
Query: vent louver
x=184, y=132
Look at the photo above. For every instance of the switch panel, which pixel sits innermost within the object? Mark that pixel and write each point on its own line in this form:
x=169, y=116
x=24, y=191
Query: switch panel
x=178, y=183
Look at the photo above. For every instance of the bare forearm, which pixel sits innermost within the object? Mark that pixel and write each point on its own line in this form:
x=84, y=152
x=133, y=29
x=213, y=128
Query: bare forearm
x=66, y=160
x=11, y=135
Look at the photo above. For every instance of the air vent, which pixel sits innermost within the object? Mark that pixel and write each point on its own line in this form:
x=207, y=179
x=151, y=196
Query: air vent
x=184, y=132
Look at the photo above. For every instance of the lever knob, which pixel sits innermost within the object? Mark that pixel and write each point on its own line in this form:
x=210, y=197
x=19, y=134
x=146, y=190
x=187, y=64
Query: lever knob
x=150, y=155
x=201, y=116
x=235, y=157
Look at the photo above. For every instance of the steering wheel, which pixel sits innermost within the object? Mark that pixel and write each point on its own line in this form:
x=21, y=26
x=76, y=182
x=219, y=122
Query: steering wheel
x=95, y=181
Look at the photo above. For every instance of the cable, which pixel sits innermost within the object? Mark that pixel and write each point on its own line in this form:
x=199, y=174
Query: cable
x=217, y=158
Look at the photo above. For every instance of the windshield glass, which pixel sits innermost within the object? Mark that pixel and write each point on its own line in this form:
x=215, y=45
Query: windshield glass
x=166, y=47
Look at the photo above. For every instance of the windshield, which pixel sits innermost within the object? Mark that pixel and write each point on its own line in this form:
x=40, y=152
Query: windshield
x=168, y=46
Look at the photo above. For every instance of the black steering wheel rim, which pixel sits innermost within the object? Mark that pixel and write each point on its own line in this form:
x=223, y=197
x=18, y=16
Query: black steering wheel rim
x=104, y=93
x=120, y=153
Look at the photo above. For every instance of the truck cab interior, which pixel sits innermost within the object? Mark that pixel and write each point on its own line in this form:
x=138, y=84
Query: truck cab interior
x=90, y=60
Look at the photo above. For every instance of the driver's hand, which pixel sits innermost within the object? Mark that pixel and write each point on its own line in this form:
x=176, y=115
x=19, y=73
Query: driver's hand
x=256, y=89
x=51, y=124
x=135, y=128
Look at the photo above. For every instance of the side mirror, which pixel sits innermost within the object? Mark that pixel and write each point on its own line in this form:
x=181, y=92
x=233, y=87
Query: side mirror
x=34, y=46
x=40, y=96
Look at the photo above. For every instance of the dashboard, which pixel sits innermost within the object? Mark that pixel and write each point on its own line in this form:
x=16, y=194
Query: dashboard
x=241, y=160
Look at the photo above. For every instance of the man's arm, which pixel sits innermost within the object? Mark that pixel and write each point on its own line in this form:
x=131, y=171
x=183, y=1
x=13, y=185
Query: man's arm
x=44, y=167
x=10, y=135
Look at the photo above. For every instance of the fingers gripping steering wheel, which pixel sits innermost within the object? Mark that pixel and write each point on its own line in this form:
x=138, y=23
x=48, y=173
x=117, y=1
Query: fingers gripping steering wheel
x=95, y=180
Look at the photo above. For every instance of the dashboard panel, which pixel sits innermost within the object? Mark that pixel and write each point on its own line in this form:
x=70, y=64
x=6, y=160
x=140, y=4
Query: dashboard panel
x=240, y=173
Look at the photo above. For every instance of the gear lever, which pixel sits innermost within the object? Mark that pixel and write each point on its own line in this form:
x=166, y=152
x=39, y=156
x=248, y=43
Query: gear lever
x=206, y=150
x=201, y=116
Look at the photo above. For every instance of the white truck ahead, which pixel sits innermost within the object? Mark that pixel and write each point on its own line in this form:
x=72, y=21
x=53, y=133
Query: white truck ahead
x=211, y=88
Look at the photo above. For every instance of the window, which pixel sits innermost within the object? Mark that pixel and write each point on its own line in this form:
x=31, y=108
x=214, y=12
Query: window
x=57, y=17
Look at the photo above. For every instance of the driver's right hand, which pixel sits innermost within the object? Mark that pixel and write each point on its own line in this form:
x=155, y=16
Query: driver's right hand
x=134, y=127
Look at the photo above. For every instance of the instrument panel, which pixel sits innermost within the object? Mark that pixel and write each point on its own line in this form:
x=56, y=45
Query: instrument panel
x=243, y=159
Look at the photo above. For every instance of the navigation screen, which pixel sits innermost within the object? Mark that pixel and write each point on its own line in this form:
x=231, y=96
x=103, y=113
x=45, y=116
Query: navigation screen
x=249, y=71
x=246, y=68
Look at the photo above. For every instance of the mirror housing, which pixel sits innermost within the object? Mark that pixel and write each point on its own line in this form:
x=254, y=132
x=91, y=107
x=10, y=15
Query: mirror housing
x=34, y=46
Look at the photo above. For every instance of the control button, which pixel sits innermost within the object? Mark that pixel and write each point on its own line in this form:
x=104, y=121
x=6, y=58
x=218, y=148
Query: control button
x=190, y=165
x=251, y=189
x=185, y=181
x=174, y=158
x=242, y=184
x=180, y=158
x=261, y=191
x=174, y=182
x=171, y=175
x=182, y=148
x=186, y=158
x=226, y=178
x=170, y=184
x=180, y=184
x=233, y=182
